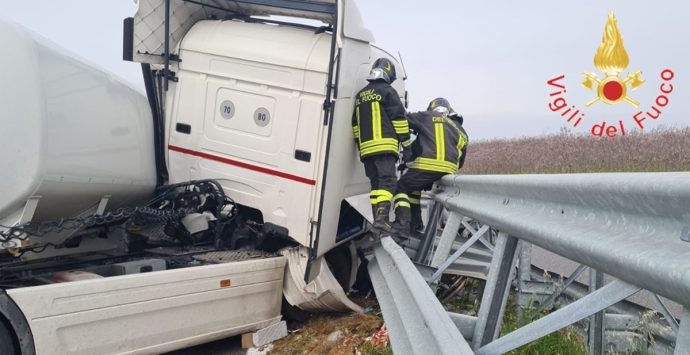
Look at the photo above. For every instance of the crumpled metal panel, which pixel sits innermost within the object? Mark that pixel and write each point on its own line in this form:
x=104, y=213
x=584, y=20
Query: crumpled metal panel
x=416, y=320
x=628, y=225
x=323, y=294
x=149, y=19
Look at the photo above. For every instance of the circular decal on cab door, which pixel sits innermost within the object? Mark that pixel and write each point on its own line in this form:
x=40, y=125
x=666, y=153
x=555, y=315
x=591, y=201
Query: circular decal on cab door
x=227, y=109
x=262, y=117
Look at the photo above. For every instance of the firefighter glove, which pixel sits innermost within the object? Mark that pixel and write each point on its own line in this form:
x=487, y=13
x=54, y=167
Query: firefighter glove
x=407, y=155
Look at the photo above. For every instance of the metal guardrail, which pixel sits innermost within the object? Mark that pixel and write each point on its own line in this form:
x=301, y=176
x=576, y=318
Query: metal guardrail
x=627, y=225
x=416, y=321
x=634, y=227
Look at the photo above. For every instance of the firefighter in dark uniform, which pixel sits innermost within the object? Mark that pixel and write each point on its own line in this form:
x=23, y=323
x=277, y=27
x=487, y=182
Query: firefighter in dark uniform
x=439, y=149
x=380, y=126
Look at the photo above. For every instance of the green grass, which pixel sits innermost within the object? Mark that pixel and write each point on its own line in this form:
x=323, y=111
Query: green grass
x=567, y=341
x=368, y=349
x=462, y=302
x=563, y=342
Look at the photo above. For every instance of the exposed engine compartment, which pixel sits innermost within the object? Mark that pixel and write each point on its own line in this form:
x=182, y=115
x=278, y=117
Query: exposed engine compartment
x=183, y=225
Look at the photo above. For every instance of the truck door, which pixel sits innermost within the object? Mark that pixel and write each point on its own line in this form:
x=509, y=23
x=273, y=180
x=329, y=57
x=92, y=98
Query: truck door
x=249, y=104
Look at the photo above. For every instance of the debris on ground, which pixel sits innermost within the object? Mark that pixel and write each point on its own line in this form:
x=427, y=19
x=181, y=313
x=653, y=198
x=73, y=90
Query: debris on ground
x=379, y=339
x=264, y=350
x=337, y=334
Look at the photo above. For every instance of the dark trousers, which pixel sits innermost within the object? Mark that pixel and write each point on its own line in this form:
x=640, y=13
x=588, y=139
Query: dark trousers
x=408, y=192
x=416, y=222
x=380, y=169
x=414, y=181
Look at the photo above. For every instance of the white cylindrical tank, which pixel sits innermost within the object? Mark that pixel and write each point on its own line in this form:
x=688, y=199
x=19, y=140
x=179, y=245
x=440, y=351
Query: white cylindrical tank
x=69, y=132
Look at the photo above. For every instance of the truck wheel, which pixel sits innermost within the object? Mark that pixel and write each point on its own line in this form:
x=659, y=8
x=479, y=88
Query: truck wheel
x=340, y=263
x=6, y=340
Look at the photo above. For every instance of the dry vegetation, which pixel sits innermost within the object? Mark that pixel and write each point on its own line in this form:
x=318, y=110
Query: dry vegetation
x=333, y=335
x=337, y=334
x=658, y=150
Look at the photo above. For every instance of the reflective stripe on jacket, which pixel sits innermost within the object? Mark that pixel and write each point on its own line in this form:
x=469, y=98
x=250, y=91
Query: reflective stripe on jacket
x=440, y=144
x=378, y=121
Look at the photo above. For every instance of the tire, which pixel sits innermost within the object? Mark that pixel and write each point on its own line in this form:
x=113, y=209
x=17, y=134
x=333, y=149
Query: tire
x=6, y=340
x=340, y=263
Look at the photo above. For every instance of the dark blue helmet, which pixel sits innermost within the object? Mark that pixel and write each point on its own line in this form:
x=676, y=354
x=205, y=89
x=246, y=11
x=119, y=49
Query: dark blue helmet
x=440, y=105
x=383, y=69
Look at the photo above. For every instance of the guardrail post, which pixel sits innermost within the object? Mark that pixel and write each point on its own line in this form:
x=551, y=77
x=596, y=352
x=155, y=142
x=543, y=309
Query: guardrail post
x=596, y=322
x=450, y=232
x=525, y=265
x=429, y=233
x=683, y=339
x=524, y=276
x=496, y=291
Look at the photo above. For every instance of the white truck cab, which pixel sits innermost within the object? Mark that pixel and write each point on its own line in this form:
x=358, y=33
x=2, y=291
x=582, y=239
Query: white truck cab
x=264, y=107
x=133, y=224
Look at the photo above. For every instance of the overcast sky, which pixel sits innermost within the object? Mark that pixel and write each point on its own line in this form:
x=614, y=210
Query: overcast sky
x=490, y=59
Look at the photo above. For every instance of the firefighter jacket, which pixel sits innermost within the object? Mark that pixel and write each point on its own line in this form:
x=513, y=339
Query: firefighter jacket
x=440, y=145
x=378, y=121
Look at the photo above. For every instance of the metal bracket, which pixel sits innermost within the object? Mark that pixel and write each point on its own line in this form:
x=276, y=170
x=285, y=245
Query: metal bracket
x=569, y=281
x=456, y=255
x=29, y=209
x=483, y=240
x=26, y=217
x=102, y=205
x=683, y=343
x=661, y=307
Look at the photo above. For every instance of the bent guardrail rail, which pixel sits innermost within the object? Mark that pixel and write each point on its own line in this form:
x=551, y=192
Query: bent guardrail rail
x=416, y=321
x=632, y=226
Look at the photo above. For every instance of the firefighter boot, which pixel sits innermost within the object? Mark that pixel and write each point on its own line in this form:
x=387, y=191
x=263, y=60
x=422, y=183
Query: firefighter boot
x=416, y=222
x=382, y=224
x=401, y=226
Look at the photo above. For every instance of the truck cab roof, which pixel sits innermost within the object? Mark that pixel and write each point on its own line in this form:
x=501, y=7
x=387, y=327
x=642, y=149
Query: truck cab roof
x=148, y=26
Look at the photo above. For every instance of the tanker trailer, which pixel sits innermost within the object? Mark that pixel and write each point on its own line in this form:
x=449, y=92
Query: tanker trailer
x=74, y=137
x=80, y=272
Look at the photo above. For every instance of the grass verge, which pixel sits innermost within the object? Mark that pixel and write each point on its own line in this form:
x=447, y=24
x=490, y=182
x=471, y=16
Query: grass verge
x=566, y=341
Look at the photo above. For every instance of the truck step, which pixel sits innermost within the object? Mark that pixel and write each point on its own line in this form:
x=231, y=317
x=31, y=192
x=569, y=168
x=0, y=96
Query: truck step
x=221, y=257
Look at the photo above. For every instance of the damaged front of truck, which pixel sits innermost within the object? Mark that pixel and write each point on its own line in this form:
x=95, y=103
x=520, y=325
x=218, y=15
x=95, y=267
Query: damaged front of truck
x=133, y=224
x=258, y=96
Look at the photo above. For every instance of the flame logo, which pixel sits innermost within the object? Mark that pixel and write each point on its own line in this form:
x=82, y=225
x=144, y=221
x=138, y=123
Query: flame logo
x=611, y=58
